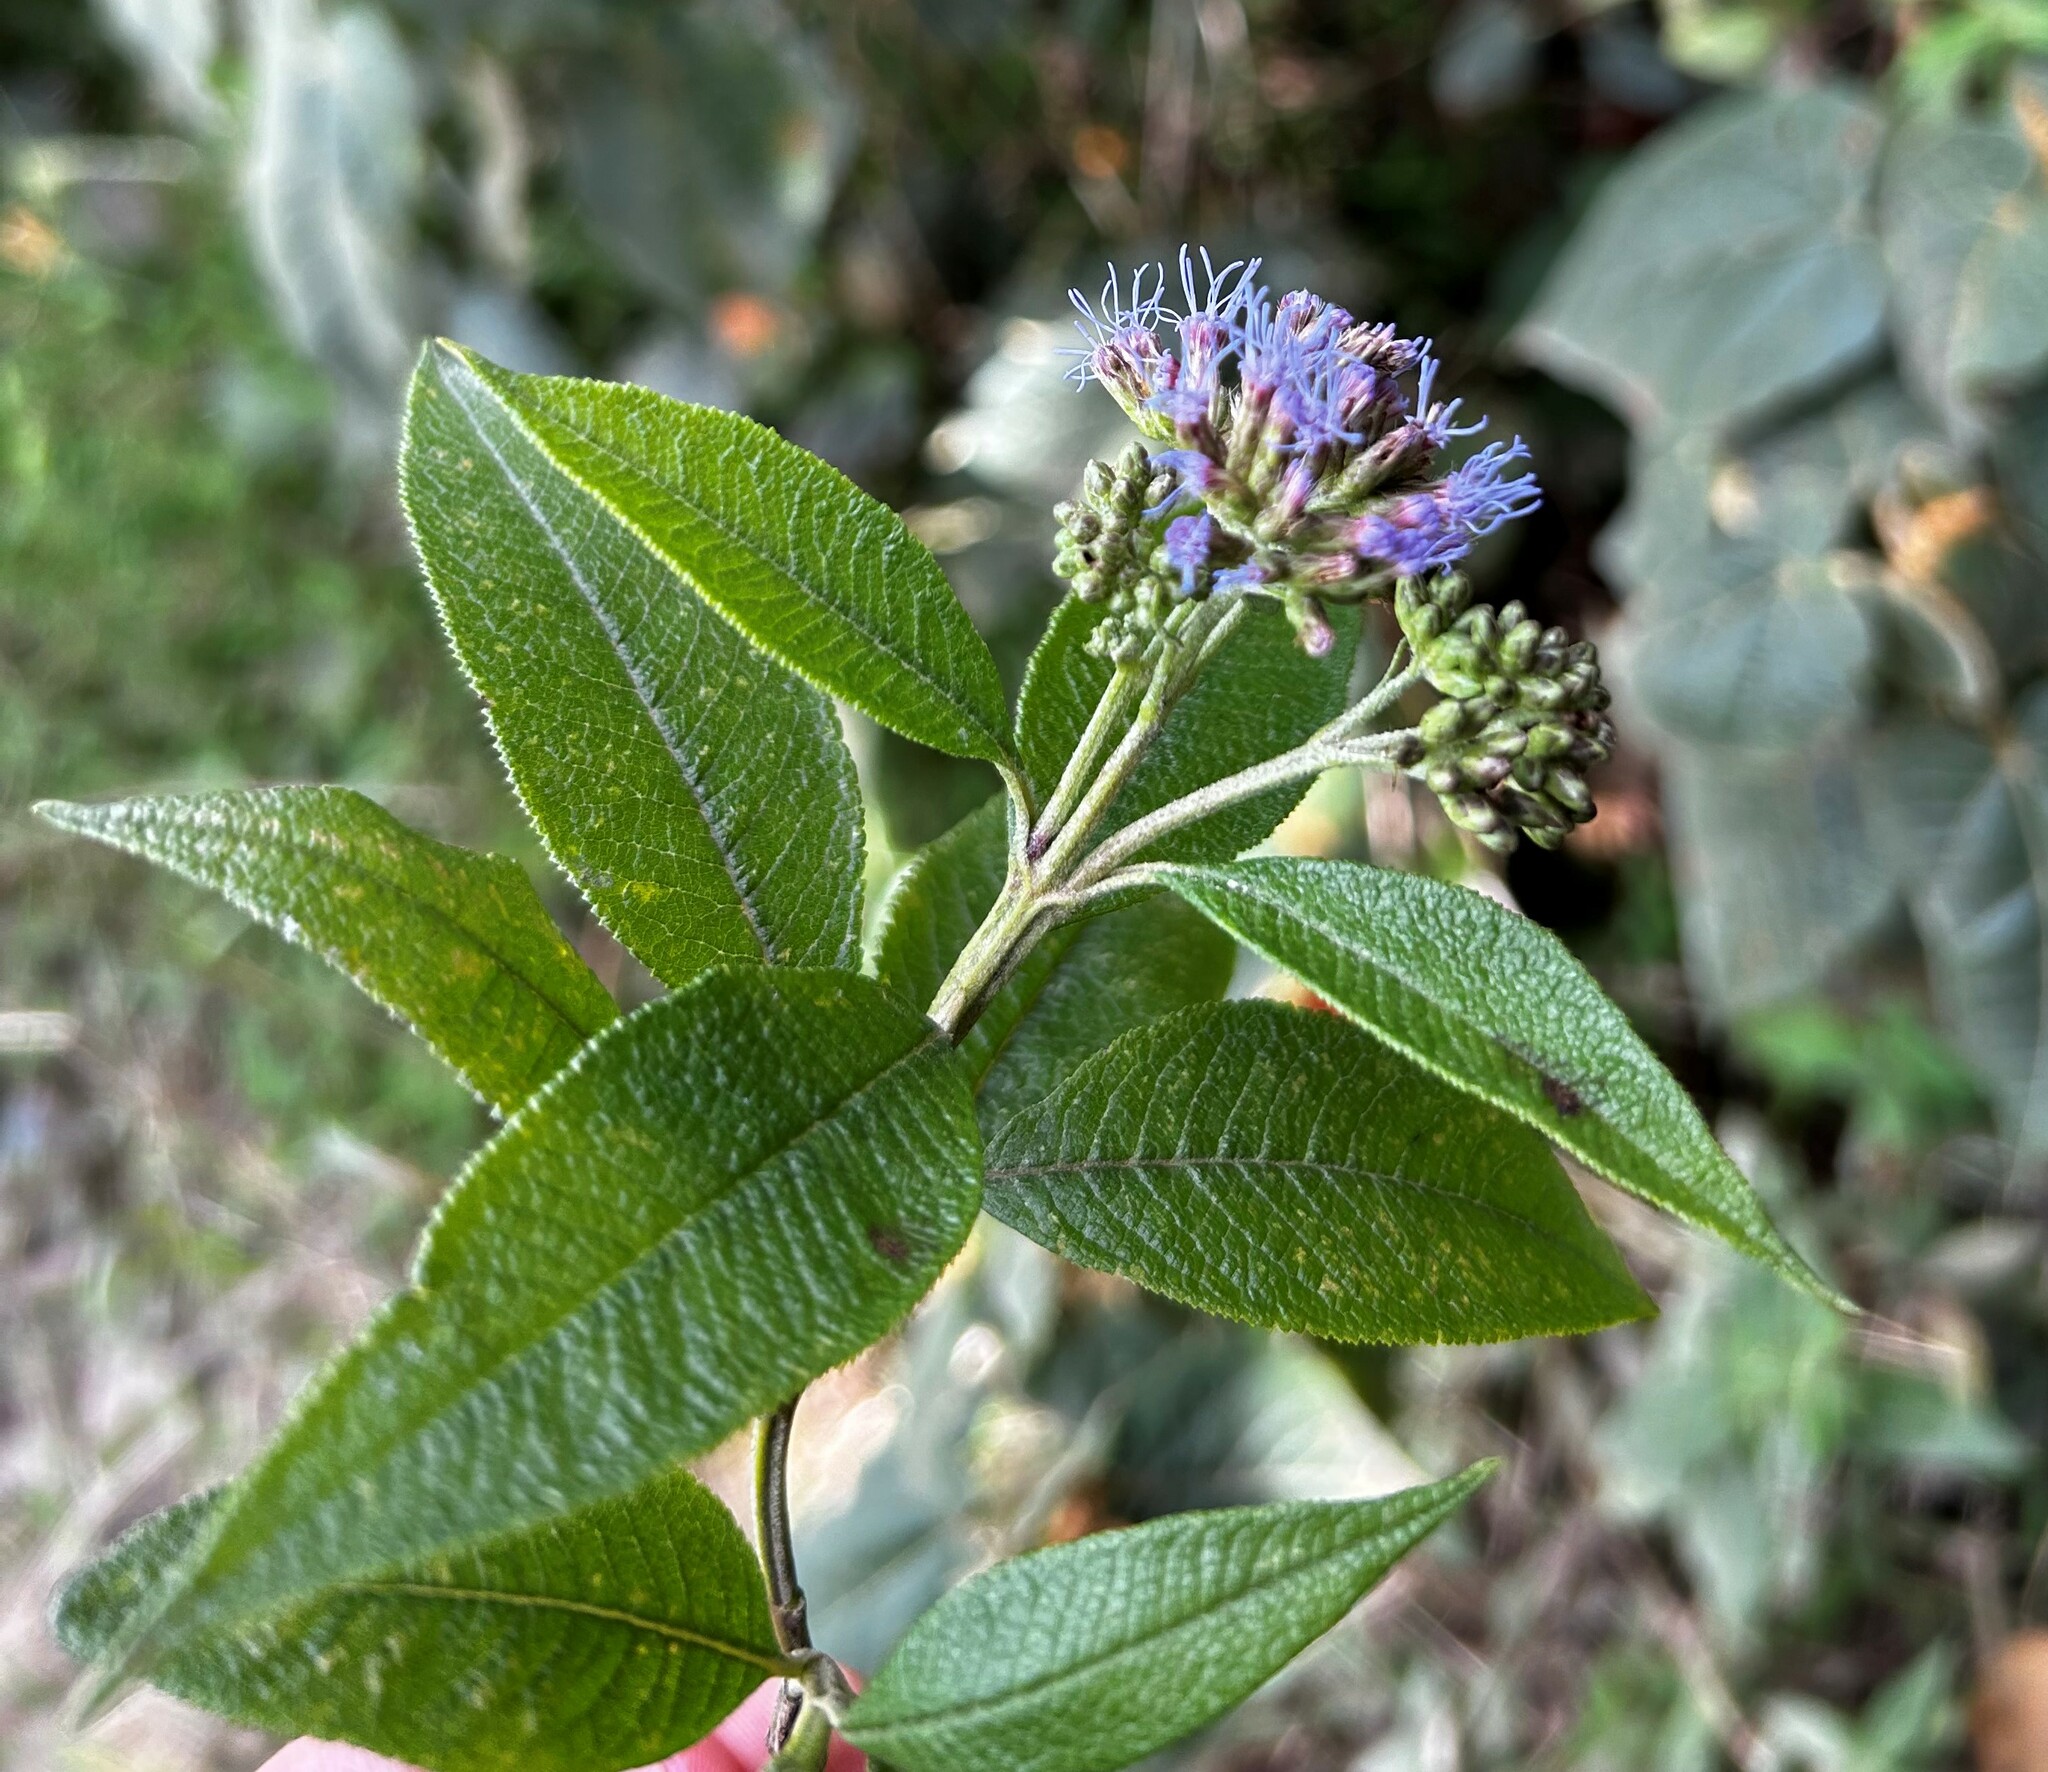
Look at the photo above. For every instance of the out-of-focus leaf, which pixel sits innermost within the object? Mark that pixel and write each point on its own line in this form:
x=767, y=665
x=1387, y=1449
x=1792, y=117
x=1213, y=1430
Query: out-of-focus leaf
x=727, y=1193
x=1259, y=696
x=1966, y=818
x=705, y=146
x=698, y=794
x=1485, y=57
x=1779, y=873
x=605, y=1637
x=334, y=161
x=1749, y=650
x=1284, y=1169
x=455, y=944
x=1087, y=1656
x=1946, y=178
x=1726, y=267
x=1499, y=1008
x=1080, y=987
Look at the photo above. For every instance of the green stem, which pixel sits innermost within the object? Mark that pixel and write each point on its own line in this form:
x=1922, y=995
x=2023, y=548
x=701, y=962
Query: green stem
x=1126, y=682
x=787, y=1610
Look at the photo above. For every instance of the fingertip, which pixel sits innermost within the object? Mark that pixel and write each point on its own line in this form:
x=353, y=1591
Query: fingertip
x=308, y=1755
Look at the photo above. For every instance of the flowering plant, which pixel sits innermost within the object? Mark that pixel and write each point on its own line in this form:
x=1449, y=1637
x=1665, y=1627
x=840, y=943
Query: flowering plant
x=473, y=1543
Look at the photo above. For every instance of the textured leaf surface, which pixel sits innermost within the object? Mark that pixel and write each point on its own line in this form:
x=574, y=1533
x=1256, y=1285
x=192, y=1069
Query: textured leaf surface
x=1726, y=266
x=1090, y=1655
x=1258, y=697
x=728, y=1193
x=1083, y=985
x=1966, y=822
x=1285, y=1169
x=784, y=546
x=454, y=943
x=698, y=794
x=604, y=1638
x=1501, y=1009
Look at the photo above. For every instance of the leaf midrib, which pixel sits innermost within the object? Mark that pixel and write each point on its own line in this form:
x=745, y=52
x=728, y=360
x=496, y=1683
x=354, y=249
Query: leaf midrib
x=348, y=863
x=419, y=1590
x=537, y=1335
x=1081, y=1168
x=997, y=1702
x=742, y=890
x=1553, y=1123
x=874, y=637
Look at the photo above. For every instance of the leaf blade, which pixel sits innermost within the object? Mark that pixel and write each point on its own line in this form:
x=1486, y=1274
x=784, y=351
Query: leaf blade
x=1500, y=1009
x=815, y=572
x=485, y=1660
x=698, y=794
x=1141, y=1635
x=768, y=1147
x=1282, y=1168
x=455, y=944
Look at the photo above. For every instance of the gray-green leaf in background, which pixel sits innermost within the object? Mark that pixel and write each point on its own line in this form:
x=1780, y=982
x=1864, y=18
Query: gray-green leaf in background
x=1750, y=650
x=1260, y=696
x=1081, y=986
x=699, y=795
x=606, y=1637
x=1966, y=820
x=1779, y=872
x=455, y=944
x=735, y=1189
x=1500, y=1008
x=1283, y=1168
x=1952, y=185
x=1725, y=267
x=1088, y=1656
x=785, y=547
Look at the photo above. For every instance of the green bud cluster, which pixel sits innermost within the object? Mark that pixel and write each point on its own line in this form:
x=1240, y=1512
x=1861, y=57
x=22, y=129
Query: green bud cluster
x=1524, y=715
x=1108, y=549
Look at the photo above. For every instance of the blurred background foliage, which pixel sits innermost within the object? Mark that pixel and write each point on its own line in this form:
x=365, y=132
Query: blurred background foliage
x=1765, y=285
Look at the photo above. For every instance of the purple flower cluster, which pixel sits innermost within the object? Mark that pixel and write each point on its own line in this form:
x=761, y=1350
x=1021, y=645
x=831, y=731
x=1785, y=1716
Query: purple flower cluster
x=1310, y=440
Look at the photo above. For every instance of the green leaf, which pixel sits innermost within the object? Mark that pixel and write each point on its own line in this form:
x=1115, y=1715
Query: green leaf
x=785, y=547
x=455, y=944
x=1500, y=1009
x=729, y=1192
x=1966, y=822
x=699, y=796
x=1280, y=1167
x=1261, y=695
x=1080, y=987
x=606, y=1637
x=1089, y=1656
x=1726, y=267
